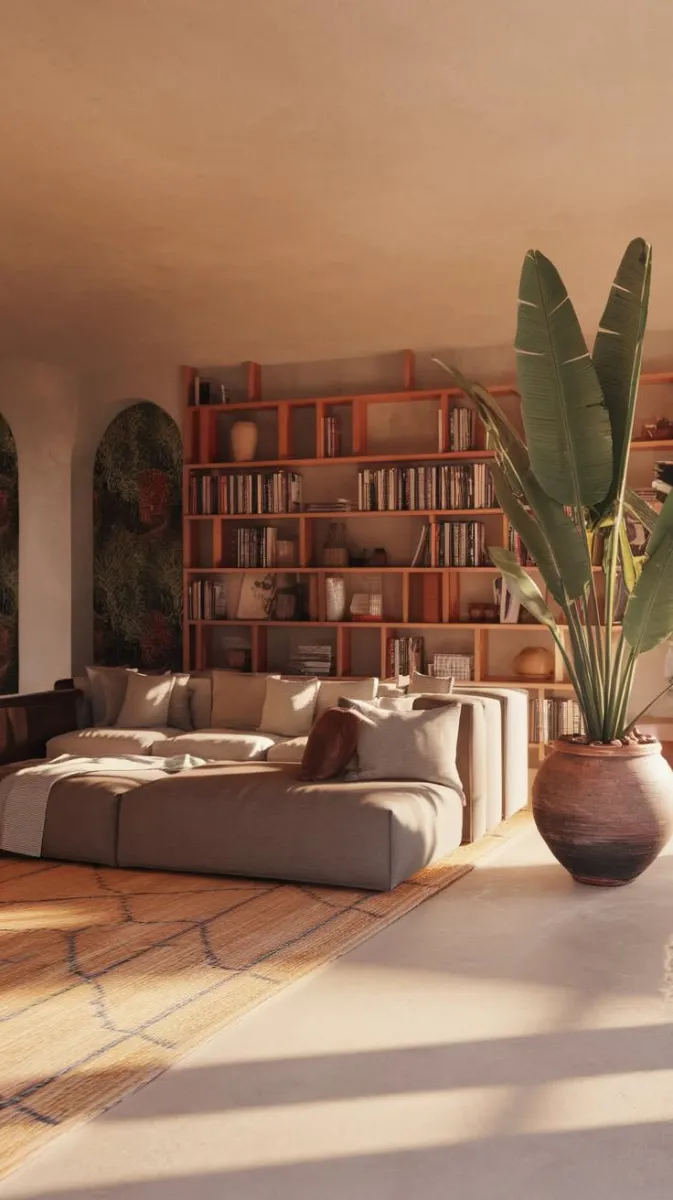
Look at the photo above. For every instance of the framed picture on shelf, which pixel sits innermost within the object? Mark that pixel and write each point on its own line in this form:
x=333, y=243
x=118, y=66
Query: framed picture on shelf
x=257, y=598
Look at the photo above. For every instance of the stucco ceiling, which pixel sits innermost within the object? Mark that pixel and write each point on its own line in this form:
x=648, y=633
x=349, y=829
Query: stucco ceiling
x=211, y=180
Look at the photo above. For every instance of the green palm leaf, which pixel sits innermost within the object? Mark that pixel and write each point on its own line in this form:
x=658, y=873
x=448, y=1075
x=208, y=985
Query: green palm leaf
x=522, y=586
x=618, y=351
x=564, y=413
x=648, y=619
x=640, y=509
x=548, y=534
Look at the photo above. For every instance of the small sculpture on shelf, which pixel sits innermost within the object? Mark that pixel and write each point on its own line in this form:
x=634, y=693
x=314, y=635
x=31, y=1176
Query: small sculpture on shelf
x=243, y=441
x=658, y=431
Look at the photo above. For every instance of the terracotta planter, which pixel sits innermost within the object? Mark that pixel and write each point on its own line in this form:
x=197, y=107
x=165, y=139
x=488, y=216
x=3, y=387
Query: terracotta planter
x=604, y=811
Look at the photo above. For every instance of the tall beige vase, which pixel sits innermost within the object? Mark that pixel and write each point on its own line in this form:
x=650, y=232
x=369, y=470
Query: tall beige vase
x=243, y=441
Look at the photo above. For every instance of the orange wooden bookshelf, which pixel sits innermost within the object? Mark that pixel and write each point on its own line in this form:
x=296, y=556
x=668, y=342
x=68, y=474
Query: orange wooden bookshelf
x=429, y=601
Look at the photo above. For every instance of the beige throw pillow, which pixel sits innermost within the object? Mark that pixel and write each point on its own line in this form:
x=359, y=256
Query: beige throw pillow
x=201, y=700
x=179, y=710
x=108, y=688
x=238, y=700
x=289, y=707
x=330, y=692
x=417, y=745
x=430, y=685
x=146, y=702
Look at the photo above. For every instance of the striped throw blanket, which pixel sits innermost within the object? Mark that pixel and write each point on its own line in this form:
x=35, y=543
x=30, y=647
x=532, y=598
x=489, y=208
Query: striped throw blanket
x=25, y=794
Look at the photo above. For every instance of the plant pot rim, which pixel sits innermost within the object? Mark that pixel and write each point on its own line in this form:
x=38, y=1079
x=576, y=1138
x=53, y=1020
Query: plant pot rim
x=632, y=750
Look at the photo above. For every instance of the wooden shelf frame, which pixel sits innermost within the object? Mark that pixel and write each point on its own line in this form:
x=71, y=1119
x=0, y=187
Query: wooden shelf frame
x=430, y=596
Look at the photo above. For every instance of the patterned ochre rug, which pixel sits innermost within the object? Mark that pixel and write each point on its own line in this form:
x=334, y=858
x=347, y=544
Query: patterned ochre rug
x=108, y=976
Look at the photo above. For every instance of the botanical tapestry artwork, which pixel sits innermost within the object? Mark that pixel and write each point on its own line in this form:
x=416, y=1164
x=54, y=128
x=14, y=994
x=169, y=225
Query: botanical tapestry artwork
x=138, y=541
x=9, y=561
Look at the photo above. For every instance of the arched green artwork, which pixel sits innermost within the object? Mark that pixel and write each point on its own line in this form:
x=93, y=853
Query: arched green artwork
x=138, y=541
x=9, y=561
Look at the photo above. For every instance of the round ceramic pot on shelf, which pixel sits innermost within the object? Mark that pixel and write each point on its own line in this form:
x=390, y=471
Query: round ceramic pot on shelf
x=243, y=441
x=534, y=662
x=604, y=811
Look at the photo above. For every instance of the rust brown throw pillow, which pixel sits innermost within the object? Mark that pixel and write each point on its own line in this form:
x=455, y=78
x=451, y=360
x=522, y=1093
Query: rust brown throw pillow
x=332, y=743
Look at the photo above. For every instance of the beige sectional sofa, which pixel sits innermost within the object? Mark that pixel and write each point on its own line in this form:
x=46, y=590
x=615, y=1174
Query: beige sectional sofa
x=492, y=744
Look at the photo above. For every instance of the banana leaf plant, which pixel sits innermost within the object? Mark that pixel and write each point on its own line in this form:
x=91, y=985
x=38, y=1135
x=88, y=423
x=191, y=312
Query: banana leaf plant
x=568, y=481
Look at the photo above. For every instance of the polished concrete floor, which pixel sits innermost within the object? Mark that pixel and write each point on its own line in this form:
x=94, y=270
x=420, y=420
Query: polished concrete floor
x=509, y=1040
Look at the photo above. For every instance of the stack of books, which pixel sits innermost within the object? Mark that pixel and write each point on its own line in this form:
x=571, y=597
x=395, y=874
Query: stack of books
x=461, y=544
x=400, y=489
x=552, y=718
x=212, y=493
x=311, y=660
x=404, y=656
x=462, y=426
x=331, y=437
x=206, y=600
x=256, y=546
x=338, y=505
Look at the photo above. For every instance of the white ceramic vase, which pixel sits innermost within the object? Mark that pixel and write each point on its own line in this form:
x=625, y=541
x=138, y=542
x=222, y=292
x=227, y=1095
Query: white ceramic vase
x=335, y=598
x=243, y=441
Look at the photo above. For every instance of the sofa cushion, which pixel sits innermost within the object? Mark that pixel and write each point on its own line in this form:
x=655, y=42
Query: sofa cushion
x=100, y=740
x=258, y=819
x=220, y=745
x=146, y=701
x=289, y=707
x=107, y=688
x=331, y=690
x=238, y=700
x=430, y=685
x=287, y=750
x=201, y=701
x=392, y=687
x=179, y=709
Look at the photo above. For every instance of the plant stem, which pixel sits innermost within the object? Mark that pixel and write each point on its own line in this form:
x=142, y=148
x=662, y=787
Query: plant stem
x=585, y=693
x=631, y=724
x=614, y=692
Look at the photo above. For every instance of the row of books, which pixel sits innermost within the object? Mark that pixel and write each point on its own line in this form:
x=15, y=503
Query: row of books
x=311, y=660
x=211, y=493
x=206, y=601
x=458, y=544
x=515, y=544
x=462, y=429
x=331, y=437
x=440, y=486
x=553, y=718
x=255, y=546
x=404, y=656
x=461, y=544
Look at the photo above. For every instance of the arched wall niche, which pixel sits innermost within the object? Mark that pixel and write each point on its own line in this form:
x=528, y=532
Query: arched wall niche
x=137, y=541
x=9, y=561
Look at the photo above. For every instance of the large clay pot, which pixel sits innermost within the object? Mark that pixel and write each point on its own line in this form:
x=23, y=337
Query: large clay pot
x=604, y=811
x=243, y=441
